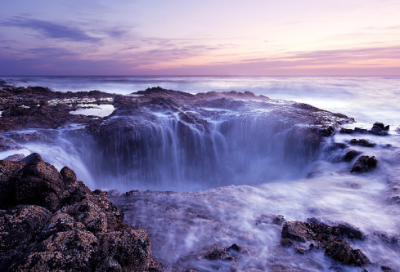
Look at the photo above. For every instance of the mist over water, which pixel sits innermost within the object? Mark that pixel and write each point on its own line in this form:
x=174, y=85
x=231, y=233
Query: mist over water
x=248, y=164
x=367, y=99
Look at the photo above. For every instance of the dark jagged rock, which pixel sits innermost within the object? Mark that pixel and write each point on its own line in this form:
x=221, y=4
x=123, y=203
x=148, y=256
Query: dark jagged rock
x=18, y=227
x=362, y=142
x=350, y=155
x=364, y=164
x=326, y=131
x=329, y=237
x=349, y=231
x=379, y=129
x=7, y=186
x=63, y=225
x=342, y=252
x=39, y=183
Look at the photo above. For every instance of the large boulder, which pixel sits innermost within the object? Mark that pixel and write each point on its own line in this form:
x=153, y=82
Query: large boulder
x=49, y=221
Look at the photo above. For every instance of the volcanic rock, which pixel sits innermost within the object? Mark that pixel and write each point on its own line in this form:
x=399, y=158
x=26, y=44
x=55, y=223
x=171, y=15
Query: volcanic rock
x=364, y=164
x=362, y=142
x=379, y=129
x=62, y=225
x=321, y=235
x=342, y=252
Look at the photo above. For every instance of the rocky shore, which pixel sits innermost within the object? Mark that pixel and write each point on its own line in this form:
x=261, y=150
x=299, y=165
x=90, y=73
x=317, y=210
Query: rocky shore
x=49, y=221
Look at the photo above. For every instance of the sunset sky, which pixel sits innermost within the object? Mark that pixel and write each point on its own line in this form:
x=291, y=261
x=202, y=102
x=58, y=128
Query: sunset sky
x=192, y=37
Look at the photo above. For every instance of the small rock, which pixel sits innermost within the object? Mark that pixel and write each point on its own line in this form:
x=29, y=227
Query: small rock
x=364, y=164
x=379, y=129
x=362, y=142
x=342, y=252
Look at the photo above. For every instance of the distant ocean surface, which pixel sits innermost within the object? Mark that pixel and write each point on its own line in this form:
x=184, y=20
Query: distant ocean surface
x=367, y=99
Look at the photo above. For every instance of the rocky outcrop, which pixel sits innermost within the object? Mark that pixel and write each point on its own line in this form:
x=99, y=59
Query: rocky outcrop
x=49, y=221
x=39, y=107
x=314, y=234
x=362, y=142
x=364, y=164
x=377, y=129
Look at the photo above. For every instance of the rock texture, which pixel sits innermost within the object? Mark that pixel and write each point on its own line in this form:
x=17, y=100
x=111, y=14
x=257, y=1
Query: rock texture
x=314, y=234
x=49, y=221
x=364, y=164
x=378, y=128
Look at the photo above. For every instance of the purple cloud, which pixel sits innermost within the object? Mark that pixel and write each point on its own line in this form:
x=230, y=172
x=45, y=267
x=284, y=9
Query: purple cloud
x=51, y=30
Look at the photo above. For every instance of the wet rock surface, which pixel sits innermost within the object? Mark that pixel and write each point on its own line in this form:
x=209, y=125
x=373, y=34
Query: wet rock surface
x=364, y=164
x=378, y=129
x=320, y=235
x=49, y=221
x=362, y=142
x=39, y=107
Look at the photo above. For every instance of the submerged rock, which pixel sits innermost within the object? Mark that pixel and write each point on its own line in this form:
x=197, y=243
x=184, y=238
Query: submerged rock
x=364, y=164
x=62, y=225
x=270, y=219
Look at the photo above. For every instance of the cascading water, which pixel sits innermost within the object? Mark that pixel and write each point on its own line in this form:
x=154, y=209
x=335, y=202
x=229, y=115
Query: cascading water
x=166, y=151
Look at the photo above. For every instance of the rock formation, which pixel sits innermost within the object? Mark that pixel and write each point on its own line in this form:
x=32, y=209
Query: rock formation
x=323, y=236
x=49, y=221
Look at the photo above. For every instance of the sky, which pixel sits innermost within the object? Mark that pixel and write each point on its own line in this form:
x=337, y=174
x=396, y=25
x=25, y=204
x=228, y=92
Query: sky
x=200, y=37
